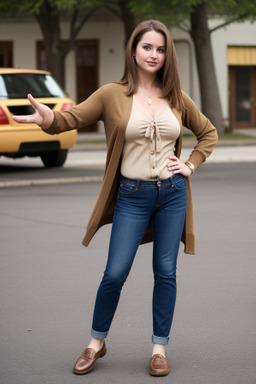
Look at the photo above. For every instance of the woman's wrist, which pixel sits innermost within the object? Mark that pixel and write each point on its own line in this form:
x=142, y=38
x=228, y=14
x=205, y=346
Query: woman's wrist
x=190, y=166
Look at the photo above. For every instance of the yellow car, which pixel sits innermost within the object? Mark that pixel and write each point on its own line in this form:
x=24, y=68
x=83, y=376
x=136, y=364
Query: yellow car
x=18, y=140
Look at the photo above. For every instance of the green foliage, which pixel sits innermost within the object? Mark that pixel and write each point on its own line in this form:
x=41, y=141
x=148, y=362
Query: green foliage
x=232, y=6
x=171, y=12
x=174, y=12
x=233, y=9
x=76, y=4
x=12, y=6
x=33, y=6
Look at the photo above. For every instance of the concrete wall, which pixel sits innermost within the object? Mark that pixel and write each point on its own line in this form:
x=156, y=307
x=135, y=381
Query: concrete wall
x=238, y=34
x=111, y=43
x=111, y=48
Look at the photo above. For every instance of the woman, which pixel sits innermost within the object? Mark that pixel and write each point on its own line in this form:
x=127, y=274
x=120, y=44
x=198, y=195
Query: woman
x=146, y=190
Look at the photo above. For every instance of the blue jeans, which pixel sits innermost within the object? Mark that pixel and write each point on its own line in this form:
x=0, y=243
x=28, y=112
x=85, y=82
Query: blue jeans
x=139, y=202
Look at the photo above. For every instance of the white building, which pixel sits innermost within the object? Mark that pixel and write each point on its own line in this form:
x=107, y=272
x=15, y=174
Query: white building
x=98, y=59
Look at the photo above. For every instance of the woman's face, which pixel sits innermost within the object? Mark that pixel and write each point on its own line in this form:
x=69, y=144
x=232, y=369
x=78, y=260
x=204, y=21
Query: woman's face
x=150, y=52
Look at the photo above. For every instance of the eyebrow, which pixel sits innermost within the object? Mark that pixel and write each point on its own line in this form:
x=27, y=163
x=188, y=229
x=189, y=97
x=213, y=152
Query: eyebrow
x=160, y=46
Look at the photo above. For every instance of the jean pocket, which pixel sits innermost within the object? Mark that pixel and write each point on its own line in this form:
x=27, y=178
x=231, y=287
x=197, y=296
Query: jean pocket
x=178, y=182
x=126, y=189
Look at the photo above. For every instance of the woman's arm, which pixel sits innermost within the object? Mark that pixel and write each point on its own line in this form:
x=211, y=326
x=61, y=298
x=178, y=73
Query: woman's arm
x=202, y=128
x=43, y=115
x=206, y=135
x=53, y=122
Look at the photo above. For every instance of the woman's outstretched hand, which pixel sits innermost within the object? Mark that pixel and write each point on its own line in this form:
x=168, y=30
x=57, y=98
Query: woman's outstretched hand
x=43, y=115
x=176, y=166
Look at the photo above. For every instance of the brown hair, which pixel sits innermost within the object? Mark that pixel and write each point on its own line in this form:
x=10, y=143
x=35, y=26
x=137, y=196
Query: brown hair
x=167, y=76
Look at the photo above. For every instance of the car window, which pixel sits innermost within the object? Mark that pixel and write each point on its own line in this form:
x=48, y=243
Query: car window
x=3, y=91
x=18, y=85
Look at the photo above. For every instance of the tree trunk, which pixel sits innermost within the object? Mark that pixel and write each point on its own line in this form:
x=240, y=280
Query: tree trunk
x=128, y=19
x=49, y=21
x=210, y=99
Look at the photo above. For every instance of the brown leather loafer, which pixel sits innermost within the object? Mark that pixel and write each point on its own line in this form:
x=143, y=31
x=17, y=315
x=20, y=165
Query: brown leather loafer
x=87, y=360
x=158, y=366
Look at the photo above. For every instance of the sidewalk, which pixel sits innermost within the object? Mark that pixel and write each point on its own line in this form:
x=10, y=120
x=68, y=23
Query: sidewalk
x=238, y=150
x=86, y=161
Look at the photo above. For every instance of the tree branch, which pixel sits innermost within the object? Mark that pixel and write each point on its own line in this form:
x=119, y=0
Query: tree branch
x=183, y=29
x=74, y=31
x=86, y=17
x=116, y=12
x=228, y=22
x=73, y=23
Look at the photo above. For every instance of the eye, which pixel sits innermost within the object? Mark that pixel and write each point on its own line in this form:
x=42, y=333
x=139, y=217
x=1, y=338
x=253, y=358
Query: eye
x=146, y=47
x=161, y=50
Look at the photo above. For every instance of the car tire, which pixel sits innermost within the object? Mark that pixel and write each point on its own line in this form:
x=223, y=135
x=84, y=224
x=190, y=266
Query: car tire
x=54, y=158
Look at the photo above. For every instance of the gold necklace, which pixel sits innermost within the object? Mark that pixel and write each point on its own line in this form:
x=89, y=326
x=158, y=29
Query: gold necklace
x=149, y=99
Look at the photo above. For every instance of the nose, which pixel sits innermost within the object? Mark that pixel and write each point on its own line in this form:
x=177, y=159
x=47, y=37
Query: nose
x=154, y=53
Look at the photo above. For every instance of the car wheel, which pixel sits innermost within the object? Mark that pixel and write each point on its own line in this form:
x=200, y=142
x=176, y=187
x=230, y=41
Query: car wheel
x=54, y=158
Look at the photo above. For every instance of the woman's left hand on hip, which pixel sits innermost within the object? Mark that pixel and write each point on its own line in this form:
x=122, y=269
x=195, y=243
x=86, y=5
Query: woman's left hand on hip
x=177, y=166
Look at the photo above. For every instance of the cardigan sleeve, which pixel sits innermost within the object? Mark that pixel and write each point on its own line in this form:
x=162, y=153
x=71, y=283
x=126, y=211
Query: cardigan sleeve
x=88, y=112
x=202, y=128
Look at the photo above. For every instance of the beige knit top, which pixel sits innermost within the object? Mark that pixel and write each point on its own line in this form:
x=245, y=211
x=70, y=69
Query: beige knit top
x=111, y=105
x=149, y=141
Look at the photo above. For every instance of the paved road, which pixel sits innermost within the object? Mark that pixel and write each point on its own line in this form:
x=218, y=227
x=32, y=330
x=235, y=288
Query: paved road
x=48, y=283
x=80, y=166
x=88, y=164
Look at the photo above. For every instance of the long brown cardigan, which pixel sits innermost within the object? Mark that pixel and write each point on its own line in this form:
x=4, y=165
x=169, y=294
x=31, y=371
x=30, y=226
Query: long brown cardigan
x=113, y=107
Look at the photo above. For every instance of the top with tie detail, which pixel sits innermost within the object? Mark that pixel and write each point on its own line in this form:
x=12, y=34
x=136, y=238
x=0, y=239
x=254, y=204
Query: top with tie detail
x=111, y=104
x=149, y=141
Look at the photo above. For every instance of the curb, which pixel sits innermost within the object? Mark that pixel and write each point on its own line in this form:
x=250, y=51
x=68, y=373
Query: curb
x=54, y=181
x=187, y=143
x=240, y=151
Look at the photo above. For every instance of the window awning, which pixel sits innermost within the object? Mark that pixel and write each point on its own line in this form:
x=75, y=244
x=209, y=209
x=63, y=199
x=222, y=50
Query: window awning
x=241, y=55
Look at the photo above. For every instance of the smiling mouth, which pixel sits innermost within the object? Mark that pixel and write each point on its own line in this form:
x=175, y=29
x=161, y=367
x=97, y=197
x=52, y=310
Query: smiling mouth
x=151, y=62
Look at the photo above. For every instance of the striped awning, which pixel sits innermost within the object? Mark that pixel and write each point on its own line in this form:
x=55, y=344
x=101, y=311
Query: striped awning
x=241, y=55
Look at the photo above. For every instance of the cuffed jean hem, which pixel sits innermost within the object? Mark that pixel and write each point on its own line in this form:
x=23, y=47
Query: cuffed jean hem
x=160, y=340
x=98, y=335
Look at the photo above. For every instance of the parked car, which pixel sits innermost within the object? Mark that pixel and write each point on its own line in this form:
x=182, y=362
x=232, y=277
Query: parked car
x=18, y=140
